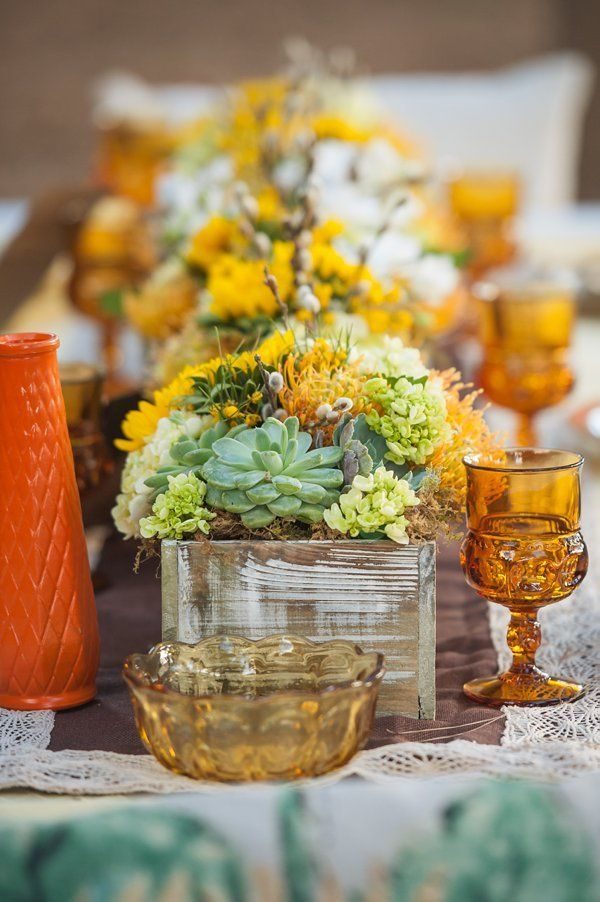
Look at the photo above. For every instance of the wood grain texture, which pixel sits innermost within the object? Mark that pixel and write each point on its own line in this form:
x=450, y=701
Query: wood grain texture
x=379, y=595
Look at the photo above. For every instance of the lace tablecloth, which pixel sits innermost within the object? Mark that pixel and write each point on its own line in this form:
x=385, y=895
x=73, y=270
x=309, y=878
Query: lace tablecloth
x=540, y=743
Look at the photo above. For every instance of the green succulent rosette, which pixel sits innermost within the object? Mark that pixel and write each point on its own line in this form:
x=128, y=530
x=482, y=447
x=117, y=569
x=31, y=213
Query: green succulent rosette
x=270, y=471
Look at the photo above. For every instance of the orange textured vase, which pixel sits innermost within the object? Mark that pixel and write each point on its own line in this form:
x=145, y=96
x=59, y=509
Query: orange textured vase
x=48, y=627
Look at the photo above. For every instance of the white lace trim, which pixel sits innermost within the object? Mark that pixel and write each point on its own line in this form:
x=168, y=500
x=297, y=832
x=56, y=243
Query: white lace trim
x=22, y=731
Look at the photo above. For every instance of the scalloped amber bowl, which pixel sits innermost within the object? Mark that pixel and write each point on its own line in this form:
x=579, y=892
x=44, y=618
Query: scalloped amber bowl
x=231, y=709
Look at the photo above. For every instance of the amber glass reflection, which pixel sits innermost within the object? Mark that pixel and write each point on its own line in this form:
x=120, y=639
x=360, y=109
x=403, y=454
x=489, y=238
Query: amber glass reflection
x=485, y=203
x=129, y=159
x=525, y=336
x=524, y=550
x=231, y=709
x=82, y=392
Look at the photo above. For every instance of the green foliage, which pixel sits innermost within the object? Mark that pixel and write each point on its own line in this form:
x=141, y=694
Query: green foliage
x=229, y=387
x=111, y=302
x=269, y=471
x=178, y=512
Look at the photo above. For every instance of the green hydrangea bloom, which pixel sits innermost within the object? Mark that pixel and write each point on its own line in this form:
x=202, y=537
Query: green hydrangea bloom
x=178, y=511
x=414, y=419
x=375, y=504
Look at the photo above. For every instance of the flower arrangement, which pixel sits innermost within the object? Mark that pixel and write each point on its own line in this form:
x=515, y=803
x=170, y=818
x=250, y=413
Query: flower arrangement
x=302, y=174
x=308, y=437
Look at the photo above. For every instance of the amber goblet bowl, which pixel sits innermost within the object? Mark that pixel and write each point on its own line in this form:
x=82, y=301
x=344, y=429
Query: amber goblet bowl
x=485, y=203
x=524, y=550
x=231, y=709
x=525, y=332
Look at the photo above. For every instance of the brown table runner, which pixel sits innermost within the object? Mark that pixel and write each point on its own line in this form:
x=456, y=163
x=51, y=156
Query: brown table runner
x=129, y=612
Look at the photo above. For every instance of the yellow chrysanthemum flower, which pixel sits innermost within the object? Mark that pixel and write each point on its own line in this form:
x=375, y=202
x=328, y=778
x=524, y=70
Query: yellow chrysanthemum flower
x=269, y=204
x=211, y=241
x=237, y=286
x=140, y=424
x=329, y=125
x=163, y=303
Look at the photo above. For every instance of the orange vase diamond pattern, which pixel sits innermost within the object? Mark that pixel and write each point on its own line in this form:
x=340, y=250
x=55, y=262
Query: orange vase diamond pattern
x=48, y=626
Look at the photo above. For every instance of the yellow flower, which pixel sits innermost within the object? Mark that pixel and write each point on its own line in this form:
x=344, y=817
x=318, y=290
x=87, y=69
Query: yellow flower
x=470, y=434
x=162, y=304
x=269, y=204
x=140, y=424
x=237, y=286
x=329, y=125
x=327, y=231
x=212, y=240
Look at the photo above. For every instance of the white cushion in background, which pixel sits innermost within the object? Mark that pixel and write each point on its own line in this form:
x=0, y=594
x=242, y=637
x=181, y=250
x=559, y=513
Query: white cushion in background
x=528, y=117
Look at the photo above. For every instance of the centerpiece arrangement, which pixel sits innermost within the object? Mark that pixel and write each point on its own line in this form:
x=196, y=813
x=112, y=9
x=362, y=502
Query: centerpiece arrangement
x=295, y=487
x=297, y=172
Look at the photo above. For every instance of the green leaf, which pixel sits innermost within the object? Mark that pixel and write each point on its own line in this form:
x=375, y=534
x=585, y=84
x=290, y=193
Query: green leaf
x=263, y=494
x=287, y=485
x=329, y=477
x=111, y=302
x=273, y=462
x=233, y=452
x=285, y=506
x=236, y=502
x=249, y=480
x=310, y=513
x=312, y=493
x=258, y=518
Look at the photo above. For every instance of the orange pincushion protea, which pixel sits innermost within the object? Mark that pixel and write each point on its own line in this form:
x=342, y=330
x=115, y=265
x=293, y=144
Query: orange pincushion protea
x=321, y=376
x=470, y=434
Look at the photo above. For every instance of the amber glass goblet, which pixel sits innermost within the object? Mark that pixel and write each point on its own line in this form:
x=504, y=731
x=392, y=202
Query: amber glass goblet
x=485, y=203
x=82, y=386
x=525, y=334
x=524, y=550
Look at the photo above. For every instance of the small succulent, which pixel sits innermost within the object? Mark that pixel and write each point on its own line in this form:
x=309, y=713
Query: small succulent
x=269, y=471
x=356, y=460
x=188, y=456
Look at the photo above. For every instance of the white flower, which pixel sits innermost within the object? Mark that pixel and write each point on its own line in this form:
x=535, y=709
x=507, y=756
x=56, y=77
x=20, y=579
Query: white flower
x=333, y=161
x=389, y=357
x=432, y=278
x=133, y=501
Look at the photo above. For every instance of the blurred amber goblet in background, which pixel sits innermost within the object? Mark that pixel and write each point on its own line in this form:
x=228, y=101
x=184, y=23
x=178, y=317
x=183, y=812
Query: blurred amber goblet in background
x=113, y=250
x=525, y=334
x=485, y=203
x=524, y=550
x=130, y=158
x=81, y=386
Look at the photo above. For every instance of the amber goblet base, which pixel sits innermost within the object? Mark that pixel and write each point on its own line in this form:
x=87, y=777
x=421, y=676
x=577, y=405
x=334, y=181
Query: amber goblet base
x=535, y=689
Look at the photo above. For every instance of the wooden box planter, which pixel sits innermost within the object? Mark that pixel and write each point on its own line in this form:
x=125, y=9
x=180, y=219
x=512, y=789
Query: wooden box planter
x=375, y=593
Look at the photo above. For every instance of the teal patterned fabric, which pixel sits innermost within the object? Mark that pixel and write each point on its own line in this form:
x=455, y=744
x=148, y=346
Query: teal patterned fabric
x=502, y=842
x=129, y=854
x=509, y=842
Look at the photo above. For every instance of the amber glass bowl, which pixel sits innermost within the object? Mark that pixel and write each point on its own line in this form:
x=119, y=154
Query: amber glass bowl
x=231, y=709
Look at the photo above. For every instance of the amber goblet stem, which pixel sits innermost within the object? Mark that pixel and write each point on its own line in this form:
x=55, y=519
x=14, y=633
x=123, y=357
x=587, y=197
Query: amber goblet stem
x=526, y=433
x=523, y=637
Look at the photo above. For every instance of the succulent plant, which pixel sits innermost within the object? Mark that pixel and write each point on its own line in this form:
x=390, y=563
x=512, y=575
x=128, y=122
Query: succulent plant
x=356, y=460
x=188, y=456
x=269, y=471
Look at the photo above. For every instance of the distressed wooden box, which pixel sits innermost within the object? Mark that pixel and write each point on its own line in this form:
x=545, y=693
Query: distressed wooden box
x=377, y=594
